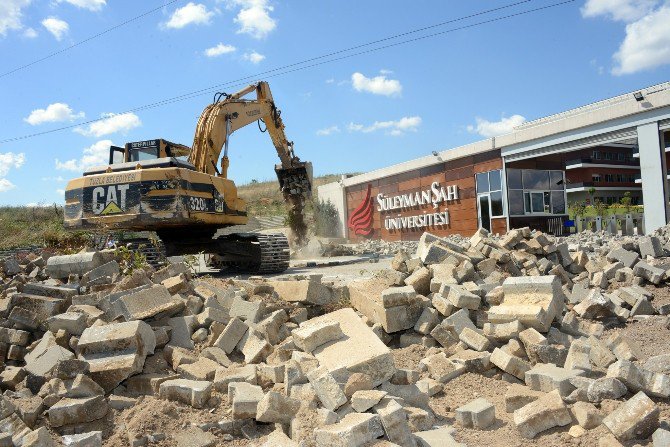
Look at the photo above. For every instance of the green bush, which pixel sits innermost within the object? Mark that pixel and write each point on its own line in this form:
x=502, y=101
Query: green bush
x=326, y=219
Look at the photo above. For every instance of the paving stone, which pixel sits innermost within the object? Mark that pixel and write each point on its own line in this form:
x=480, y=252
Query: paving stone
x=637, y=378
x=311, y=335
x=116, y=351
x=628, y=258
x=438, y=437
x=225, y=376
x=461, y=298
x=231, y=335
x=579, y=356
x=78, y=264
x=647, y=271
x=277, y=408
x=534, y=301
x=637, y=418
x=203, y=370
x=478, y=414
x=90, y=439
x=474, y=339
x=606, y=388
x=661, y=438
x=248, y=311
x=147, y=303
x=77, y=411
x=509, y=363
x=355, y=429
x=441, y=368
x=326, y=387
x=44, y=357
x=195, y=393
x=586, y=415
x=547, y=412
x=518, y=396
x=360, y=350
x=658, y=363
x=503, y=331
x=394, y=421
x=427, y=321
x=547, y=377
x=302, y=291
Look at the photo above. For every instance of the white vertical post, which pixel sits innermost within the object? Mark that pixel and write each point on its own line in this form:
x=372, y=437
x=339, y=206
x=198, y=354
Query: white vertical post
x=653, y=171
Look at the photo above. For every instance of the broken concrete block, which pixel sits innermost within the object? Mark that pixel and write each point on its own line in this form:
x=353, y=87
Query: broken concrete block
x=503, y=331
x=327, y=389
x=302, y=291
x=606, y=388
x=77, y=411
x=254, y=346
x=72, y=322
x=244, y=398
x=637, y=378
x=438, y=437
x=478, y=414
x=635, y=418
x=147, y=303
x=547, y=377
x=225, y=376
x=204, y=370
x=647, y=271
x=45, y=356
x=461, y=298
x=277, y=408
x=363, y=400
x=628, y=258
x=518, y=396
x=442, y=368
x=63, y=266
x=651, y=246
x=586, y=414
x=116, y=351
x=474, y=339
x=90, y=439
x=427, y=321
x=231, y=335
x=546, y=412
x=534, y=301
x=579, y=356
x=310, y=336
x=419, y=280
x=394, y=421
x=360, y=350
x=195, y=393
x=38, y=438
x=355, y=429
x=509, y=363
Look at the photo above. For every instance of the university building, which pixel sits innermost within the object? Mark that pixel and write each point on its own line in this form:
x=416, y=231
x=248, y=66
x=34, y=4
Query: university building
x=529, y=177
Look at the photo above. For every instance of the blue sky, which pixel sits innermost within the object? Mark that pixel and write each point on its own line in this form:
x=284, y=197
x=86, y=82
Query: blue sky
x=355, y=114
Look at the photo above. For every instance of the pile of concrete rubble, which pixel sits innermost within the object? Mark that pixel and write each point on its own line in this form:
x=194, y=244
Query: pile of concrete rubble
x=308, y=361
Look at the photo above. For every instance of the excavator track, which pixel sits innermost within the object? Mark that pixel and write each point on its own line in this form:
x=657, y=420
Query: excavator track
x=258, y=253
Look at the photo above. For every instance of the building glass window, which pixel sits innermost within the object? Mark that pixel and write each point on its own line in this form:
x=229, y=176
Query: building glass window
x=608, y=155
x=538, y=192
x=490, y=183
x=596, y=155
x=609, y=178
x=596, y=178
x=621, y=156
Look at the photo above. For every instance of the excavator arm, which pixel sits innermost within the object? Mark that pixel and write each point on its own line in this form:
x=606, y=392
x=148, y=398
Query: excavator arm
x=223, y=117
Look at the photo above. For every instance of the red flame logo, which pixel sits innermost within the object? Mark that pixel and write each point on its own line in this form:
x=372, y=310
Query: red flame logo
x=360, y=220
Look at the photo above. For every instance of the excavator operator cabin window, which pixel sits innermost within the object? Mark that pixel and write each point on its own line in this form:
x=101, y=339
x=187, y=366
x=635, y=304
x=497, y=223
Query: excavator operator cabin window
x=143, y=153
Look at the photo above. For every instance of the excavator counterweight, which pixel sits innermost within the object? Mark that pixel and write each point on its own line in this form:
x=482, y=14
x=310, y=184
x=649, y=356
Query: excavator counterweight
x=184, y=194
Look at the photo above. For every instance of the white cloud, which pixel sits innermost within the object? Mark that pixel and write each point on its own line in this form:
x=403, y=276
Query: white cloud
x=254, y=18
x=95, y=155
x=56, y=26
x=10, y=15
x=219, y=50
x=54, y=113
x=489, y=129
x=620, y=10
x=328, y=131
x=111, y=124
x=253, y=57
x=646, y=45
x=29, y=33
x=330, y=81
x=91, y=5
x=378, y=85
x=53, y=179
x=9, y=160
x=394, y=128
x=191, y=13
x=647, y=41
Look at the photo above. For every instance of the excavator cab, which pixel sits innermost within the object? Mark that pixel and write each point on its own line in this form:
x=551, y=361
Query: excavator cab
x=139, y=151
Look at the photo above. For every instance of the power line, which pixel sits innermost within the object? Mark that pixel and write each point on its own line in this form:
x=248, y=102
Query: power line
x=88, y=39
x=298, y=66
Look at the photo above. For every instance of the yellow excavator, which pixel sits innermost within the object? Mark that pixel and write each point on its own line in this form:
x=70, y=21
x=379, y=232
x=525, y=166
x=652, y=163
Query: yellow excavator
x=184, y=194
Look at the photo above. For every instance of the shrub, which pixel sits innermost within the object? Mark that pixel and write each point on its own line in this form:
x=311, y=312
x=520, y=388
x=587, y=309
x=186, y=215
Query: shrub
x=326, y=219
